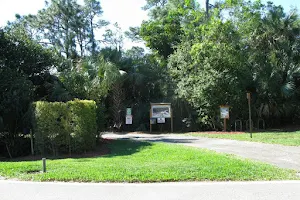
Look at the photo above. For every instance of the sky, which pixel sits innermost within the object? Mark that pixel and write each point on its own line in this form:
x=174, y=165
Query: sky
x=126, y=12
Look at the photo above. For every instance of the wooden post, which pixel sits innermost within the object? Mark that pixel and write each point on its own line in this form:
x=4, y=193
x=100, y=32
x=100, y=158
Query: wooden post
x=225, y=125
x=31, y=142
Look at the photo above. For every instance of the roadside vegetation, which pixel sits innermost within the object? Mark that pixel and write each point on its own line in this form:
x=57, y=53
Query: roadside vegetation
x=196, y=60
x=130, y=161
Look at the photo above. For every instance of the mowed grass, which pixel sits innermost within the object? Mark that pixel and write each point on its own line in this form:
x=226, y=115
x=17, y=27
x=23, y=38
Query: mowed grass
x=147, y=162
x=283, y=138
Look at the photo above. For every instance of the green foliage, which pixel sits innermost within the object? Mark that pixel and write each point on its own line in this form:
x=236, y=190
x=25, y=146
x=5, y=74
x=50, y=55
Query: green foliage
x=65, y=26
x=84, y=124
x=251, y=49
x=65, y=127
x=21, y=61
x=23, y=55
x=162, y=35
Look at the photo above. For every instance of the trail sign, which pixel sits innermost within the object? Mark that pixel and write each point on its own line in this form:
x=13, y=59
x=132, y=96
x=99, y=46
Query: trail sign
x=128, y=111
x=128, y=119
x=224, y=112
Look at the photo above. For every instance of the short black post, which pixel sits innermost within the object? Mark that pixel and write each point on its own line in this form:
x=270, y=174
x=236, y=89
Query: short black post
x=44, y=165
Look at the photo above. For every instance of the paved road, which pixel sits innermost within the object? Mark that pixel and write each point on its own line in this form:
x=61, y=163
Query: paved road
x=288, y=190
x=281, y=156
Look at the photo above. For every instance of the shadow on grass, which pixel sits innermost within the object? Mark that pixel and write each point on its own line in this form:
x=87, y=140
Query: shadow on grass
x=124, y=147
x=108, y=148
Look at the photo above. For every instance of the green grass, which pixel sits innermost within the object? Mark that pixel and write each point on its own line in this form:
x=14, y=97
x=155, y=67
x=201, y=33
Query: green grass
x=283, y=138
x=147, y=162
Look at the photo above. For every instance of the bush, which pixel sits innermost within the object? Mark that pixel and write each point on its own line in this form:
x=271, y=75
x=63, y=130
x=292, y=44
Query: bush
x=64, y=127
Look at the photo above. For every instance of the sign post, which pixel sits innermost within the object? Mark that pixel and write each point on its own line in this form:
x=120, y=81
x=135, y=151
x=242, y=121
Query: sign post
x=128, y=111
x=159, y=112
x=172, y=129
x=128, y=118
x=224, y=112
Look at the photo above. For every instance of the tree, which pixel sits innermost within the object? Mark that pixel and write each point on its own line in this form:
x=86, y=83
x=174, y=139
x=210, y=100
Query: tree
x=65, y=26
x=165, y=29
x=20, y=61
x=93, y=12
x=252, y=49
x=114, y=37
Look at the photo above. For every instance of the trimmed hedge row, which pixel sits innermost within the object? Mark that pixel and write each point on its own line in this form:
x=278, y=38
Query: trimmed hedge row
x=64, y=127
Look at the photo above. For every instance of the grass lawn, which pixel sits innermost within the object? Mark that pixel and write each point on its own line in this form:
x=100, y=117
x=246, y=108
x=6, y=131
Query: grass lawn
x=283, y=138
x=147, y=162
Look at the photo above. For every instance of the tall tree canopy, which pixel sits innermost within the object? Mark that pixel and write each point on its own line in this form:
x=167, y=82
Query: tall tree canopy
x=244, y=46
x=21, y=62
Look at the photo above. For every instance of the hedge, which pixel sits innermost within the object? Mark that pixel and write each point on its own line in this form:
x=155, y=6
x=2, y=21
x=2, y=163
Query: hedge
x=64, y=127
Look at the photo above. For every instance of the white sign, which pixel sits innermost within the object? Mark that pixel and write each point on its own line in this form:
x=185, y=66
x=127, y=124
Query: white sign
x=161, y=111
x=161, y=120
x=224, y=111
x=129, y=119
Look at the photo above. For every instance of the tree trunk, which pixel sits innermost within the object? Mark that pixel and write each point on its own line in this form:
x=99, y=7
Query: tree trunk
x=8, y=151
x=207, y=8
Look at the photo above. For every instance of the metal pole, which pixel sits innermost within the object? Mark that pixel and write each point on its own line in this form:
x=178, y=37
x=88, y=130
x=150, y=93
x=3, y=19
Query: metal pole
x=172, y=121
x=250, y=121
x=150, y=122
x=44, y=165
x=225, y=125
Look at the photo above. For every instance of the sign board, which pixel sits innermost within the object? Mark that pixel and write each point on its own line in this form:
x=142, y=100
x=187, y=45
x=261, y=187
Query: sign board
x=224, y=112
x=161, y=120
x=160, y=111
x=128, y=111
x=129, y=119
x=152, y=120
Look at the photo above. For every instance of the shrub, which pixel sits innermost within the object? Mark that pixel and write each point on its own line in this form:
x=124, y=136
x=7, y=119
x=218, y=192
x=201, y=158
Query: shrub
x=64, y=127
x=83, y=124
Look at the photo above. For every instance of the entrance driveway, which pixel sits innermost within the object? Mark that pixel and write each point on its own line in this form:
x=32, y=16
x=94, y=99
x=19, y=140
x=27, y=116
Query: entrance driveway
x=281, y=156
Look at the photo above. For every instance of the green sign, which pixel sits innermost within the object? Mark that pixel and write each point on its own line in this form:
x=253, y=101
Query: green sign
x=128, y=111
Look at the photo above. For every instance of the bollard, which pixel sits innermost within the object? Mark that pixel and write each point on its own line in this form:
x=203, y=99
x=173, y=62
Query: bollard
x=44, y=165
